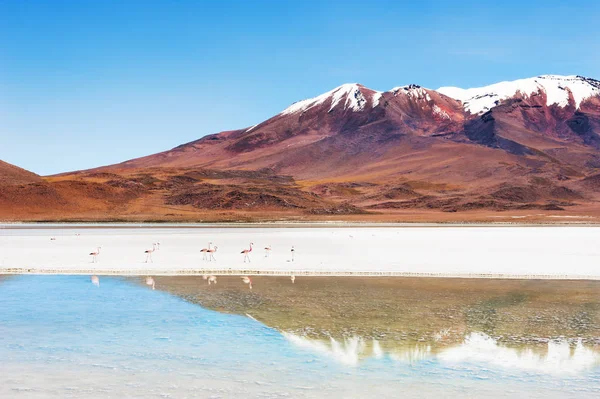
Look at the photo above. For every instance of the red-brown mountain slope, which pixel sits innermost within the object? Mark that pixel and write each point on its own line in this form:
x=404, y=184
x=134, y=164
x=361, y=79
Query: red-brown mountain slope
x=527, y=144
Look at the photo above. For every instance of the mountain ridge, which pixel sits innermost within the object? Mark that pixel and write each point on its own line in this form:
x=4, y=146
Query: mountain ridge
x=411, y=109
x=530, y=144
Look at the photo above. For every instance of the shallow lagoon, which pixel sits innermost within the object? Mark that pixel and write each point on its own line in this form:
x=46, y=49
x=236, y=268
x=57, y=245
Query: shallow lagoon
x=61, y=336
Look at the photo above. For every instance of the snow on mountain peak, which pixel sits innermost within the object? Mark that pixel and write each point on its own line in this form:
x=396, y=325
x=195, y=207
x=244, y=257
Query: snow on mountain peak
x=556, y=88
x=376, y=97
x=349, y=95
x=415, y=91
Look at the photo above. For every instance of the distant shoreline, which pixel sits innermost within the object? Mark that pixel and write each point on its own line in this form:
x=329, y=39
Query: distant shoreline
x=305, y=273
x=418, y=250
x=295, y=224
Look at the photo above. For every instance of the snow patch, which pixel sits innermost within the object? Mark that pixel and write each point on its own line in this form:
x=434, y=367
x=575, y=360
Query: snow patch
x=440, y=112
x=412, y=90
x=376, y=98
x=556, y=87
x=252, y=127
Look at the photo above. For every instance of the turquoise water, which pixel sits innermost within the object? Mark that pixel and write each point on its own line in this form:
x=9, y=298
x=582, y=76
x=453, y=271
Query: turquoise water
x=60, y=336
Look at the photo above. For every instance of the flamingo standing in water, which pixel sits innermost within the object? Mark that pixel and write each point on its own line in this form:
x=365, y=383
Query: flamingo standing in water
x=205, y=251
x=211, y=254
x=246, y=253
x=293, y=278
x=267, y=251
x=94, y=255
x=150, y=282
x=95, y=281
x=148, y=253
x=247, y=280
x=293, y=251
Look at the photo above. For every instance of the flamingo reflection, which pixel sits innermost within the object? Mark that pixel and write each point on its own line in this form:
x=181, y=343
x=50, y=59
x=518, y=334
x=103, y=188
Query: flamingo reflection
x=210, y=279
x=150, y=282
x=247, y=280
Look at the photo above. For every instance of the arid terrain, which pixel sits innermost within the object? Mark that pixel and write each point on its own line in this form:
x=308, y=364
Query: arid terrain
x=408, y=154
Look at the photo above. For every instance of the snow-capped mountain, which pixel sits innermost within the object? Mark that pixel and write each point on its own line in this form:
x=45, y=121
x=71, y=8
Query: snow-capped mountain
x=353, y=119
x=561, y=91
x=558, y=90
x=527, y=144
x=356, y=97
x=350, y=96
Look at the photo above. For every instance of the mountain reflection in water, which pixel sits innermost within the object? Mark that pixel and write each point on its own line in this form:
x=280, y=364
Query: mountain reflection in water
x=540, y=326
x=559, y=357
x=315, y=338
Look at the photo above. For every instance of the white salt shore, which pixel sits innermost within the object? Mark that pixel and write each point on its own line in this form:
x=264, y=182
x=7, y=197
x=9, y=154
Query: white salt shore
x=494, y=252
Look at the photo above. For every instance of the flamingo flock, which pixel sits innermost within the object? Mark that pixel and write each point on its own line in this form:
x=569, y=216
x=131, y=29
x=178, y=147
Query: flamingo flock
x=208, y=254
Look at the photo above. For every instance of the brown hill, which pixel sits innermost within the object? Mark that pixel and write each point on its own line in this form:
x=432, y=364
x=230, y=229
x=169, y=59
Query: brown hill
x=11, y=174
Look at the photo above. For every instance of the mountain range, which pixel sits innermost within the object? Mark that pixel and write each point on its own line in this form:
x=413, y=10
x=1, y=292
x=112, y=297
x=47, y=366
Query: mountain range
x=525, y=148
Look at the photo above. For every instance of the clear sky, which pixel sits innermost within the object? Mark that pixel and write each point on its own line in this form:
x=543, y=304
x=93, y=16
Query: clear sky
x=90, y=83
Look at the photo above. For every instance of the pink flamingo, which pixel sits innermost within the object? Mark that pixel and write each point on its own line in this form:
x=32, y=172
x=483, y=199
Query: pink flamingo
x=246, y=253
x=267, y=251
x=95, y=281
x=247, y=280
x=205, y=251
x=150, y=282
x=293, y=251
x=211, y=254
x=94, y=255
x=148, y=253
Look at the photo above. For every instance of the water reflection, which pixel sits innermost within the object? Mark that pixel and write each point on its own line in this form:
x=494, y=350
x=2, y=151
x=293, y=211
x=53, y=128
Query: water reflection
x=560, y=357
x=349, y=351
x=316, y=338
x=150, y=282
x=542, y=326
x=434, y=311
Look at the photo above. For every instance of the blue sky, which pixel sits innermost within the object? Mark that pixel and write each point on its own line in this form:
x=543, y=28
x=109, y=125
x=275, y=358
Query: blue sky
x=90, y=83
